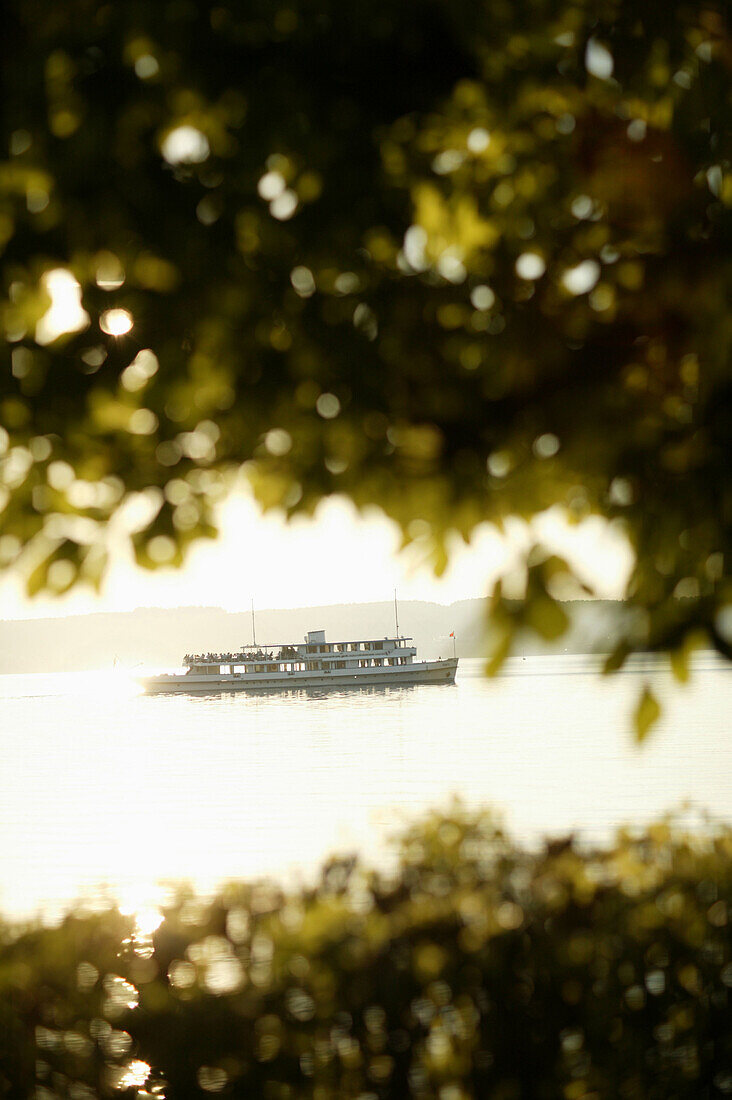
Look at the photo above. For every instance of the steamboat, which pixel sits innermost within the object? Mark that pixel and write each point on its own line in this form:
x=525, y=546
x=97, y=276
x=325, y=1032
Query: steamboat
x=313, y=664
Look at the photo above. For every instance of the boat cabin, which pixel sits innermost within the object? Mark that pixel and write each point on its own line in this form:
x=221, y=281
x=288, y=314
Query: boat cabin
x=313, y=654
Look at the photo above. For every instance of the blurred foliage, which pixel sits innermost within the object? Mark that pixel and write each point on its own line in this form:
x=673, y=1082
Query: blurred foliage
x=473, y=968
x=463, y=260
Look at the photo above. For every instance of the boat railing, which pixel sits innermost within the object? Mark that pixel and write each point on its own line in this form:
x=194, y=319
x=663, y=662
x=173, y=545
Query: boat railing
x=296, y=652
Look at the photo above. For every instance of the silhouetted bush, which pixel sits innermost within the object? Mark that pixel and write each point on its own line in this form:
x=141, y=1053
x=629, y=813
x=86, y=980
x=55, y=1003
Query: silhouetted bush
x=473, y=968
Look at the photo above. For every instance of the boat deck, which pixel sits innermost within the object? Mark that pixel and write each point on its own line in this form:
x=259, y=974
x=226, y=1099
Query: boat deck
x=310, y=665
x=422, y=672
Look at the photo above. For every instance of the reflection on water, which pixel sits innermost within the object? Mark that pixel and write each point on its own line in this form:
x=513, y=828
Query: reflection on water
x=103, y=785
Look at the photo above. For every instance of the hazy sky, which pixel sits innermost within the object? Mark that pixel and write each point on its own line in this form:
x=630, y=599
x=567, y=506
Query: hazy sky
x=338, y=556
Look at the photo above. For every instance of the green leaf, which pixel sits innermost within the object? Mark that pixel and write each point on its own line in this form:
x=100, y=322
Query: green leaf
x=499, y=653
x=616, y=659
x=680, y=663
x=646, y=714
x=547, y=618
x=36, y=581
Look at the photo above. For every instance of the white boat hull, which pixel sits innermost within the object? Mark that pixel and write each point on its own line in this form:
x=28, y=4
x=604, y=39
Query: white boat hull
x=419, y=672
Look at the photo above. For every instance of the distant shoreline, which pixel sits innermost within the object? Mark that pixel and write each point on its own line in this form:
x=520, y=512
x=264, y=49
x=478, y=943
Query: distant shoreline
x=159, y=636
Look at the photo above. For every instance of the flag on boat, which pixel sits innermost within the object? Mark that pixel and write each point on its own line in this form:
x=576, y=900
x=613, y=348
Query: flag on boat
x=452, y=633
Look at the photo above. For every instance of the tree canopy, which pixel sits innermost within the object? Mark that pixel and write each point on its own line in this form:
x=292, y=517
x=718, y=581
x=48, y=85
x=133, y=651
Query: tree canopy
x=462, y=260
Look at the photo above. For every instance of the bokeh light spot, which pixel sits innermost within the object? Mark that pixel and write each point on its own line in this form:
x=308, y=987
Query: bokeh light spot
x=482, y=297
x=278, y=442
x=328, y=406
x=530, y=265
x=161, y=549
x=598, y=60
x=66, y=313
x=284, y=206
x=142, y=368
x=271, y=185
x=116, y=322
x=478, y=140
x=185, y=145
x=146, y=66
x=143, y=422
x=546, y=445
x=303, y=281
x=581, y=278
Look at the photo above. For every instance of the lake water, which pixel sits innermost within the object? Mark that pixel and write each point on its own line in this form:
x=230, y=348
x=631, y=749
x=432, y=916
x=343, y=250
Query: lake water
x=103, y=787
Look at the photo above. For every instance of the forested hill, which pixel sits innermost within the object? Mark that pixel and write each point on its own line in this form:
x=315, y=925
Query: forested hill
x=159, y=637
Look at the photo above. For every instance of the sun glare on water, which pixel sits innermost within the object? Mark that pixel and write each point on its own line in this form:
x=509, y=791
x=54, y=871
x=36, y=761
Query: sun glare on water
x=112, y=683
x=141, y=901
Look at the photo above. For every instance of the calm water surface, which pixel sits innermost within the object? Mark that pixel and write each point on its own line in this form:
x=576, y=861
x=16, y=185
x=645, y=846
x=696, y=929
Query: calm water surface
x=105, y=787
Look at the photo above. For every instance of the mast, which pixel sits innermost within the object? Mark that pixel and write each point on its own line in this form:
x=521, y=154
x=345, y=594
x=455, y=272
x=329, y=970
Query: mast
x=254, y=633
x=396, y=613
